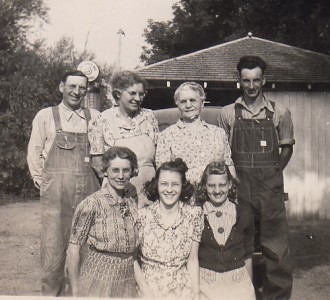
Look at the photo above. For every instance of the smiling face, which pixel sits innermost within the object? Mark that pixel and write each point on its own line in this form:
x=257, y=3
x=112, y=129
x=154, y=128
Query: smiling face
x=119, y=173
x=131, y=98
x=189, y=104
x=169, y=188
x=74, y=90
x=252, y=81
x=217, y=188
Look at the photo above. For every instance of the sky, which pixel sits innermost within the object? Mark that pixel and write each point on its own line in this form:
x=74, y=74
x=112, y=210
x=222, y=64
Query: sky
x=95, y=23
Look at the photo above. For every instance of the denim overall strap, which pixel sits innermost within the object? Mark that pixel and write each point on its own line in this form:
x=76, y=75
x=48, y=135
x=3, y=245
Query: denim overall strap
x=254, y=141
x=57, y=120
x=67, y=179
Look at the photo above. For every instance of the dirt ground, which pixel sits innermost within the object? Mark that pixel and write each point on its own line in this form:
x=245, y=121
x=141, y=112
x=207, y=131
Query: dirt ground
x=20, y=254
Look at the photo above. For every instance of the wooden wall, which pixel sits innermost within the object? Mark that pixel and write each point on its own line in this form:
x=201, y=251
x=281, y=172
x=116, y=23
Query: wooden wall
x=307, y=176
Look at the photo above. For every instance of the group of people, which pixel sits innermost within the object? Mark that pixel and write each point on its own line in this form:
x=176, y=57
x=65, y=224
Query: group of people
x=164, y=214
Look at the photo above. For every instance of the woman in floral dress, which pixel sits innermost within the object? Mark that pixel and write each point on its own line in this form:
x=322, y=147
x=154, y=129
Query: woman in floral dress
x=106, y=221
x=169, y=232
x=191, y=138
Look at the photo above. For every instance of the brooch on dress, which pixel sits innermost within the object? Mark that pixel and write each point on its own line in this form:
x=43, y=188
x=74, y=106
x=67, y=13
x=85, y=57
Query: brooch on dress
x=124, y=209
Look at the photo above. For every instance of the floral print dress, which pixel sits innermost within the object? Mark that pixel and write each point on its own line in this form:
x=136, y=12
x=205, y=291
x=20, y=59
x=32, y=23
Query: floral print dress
x=165, y=249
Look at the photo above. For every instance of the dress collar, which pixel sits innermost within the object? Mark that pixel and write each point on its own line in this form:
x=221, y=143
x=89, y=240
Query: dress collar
x=158, y=218
x=111, y=195
x=182, y=125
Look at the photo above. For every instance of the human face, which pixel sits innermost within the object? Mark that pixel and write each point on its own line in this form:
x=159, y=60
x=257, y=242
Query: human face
x=189, y=104
x=131, y=98
x=169, y=188
x=217, y=188
x=252, y=81
x=119, y=173
x=74, y=91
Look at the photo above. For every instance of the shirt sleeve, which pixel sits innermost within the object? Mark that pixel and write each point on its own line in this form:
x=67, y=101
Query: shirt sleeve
x=36, y=146
x=198, y=223
x=95, y=136
x=82, y=221
x=163, y=150
x=223, y=121
x=285, y=127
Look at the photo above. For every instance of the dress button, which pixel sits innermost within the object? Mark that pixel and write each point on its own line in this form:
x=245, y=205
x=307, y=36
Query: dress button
x=221, y=230
x=218, y=214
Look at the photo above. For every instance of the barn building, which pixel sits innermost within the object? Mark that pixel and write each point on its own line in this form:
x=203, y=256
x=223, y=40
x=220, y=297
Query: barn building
x=297, y=78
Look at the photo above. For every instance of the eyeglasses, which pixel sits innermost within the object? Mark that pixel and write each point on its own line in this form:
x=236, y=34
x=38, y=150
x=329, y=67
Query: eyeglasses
x=73, y=87
x=133, y=94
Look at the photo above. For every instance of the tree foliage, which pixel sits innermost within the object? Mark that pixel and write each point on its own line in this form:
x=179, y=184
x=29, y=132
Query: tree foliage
x=29, y=80
x=198, y=24
x=16, y=18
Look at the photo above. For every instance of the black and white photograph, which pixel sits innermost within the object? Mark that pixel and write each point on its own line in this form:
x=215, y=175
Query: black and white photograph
x=165, y=149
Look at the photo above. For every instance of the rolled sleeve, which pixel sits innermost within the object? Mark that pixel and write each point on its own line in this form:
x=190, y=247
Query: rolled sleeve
x=226, y=119
x=285, y=128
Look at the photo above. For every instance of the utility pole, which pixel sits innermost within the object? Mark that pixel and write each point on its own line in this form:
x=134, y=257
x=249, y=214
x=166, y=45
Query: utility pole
x=121, y=33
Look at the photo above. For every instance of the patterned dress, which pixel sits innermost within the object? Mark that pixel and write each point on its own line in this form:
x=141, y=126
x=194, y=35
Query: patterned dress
x=110, y=129
x=165, y=249
x=108, y=226
x=197, y=148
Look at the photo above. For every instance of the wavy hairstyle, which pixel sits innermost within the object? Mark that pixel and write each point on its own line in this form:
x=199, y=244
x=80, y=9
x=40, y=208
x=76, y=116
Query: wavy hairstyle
x=123, y=153
x=190, y=85
x=215, y=168
x=122, y=80
x=178, y=166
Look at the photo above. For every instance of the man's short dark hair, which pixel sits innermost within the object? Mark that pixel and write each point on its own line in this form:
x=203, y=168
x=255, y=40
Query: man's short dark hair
x=73, y=73
x=250, y=62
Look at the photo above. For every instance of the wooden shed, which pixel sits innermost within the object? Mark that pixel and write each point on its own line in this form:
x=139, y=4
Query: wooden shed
x=298, y=78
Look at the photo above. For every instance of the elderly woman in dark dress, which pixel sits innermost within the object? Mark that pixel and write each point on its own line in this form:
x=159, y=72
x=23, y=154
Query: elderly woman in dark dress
x=106, y=221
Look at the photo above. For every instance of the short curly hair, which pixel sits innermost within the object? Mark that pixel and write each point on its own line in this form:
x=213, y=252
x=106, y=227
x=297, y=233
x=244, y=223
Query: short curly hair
x=178, y=166
x=122, y=80
x=123, y=153
x=215, y=168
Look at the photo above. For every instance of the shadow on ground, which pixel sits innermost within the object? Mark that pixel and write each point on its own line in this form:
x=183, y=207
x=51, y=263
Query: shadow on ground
x=309, y=244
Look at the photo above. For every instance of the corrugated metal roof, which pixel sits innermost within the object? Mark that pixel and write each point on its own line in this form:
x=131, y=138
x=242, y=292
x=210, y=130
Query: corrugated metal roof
x=218, y=63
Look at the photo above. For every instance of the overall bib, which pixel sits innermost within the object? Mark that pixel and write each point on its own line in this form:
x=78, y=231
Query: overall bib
x=67, y=179
x=255, y=152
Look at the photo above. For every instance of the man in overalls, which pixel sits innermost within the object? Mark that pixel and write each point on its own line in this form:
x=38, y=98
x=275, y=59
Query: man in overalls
x=59, y=162
x=261, y=139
